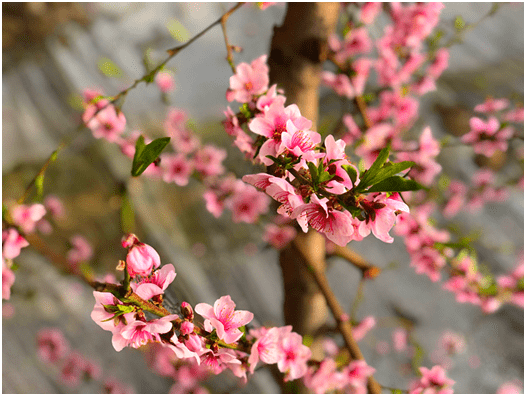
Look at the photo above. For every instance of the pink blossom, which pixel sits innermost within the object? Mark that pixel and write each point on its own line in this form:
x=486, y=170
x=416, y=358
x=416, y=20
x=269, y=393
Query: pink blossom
x=439, y=64
x=81, y=250
x=106, y=123
x=452, y=343
x=223, y=359
x=177, y=168
x=231, y=124
x=487, y=137
x=361, y=329
x=335, y=225
x=400, y=339
x=154, y=284
x=266, y=348
x=182, y=351
x=138, y=333
x=186, y=328
x=12, y=243
x=369, y=12
x=27, y=216
x=249, y=81
x=142, y=259
x=433, y=380
x=271, y=97
x=73, y=369
x=208, y=161
x=113, y=386
x=353, y=131
x=492, y=105
x=513, y=387
x=247, y=204
x=340, y=83
x=324, y=379
x=356, y=42
x=277, y=236
x=54, y=205
x=165, y=82
x=294, y=355
x=355, y=376
x=52, y=346
x=224, y=319
x=516, y=115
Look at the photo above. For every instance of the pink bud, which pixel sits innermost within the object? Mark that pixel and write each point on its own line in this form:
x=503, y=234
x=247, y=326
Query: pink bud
x=142, y=259
x=129, y=240
x=187, y=327
x=187, y=311
x=194, y=343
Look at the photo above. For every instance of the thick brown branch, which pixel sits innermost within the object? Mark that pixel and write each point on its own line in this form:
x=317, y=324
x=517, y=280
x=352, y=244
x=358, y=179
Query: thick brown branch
x=339, y=315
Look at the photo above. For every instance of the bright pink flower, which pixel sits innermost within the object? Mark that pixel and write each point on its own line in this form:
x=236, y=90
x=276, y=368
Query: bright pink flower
x=224, y=319
x=223, y=359
x=294, y=355
x=355, y=376
x=186, y=328
x=439, y=64
x=177, y=168
x=381, y=214
x=52, y=346
x=277, y=236
x=247, y=204
x=334, y=224
x=138, y=333
x=81, y=250
x=165, y=82
x=361, y=329
x=27, y=216
x=353, y=131
x=154, y=284
x=340, y=83
x=266, y=348
x=369, y=12
x=271, y=97
x=12, y=243
x=356, y=42
x=231, y=124
x=249, y=81
x=324, y=379
x=142, y=259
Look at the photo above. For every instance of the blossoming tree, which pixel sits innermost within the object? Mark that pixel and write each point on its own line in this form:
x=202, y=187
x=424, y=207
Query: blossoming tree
x=375, y=175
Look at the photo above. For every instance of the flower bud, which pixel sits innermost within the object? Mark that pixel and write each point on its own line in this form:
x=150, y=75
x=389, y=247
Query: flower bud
x=186, y=327
x=141, y=259
x=194, y=343
x=187, y=311
x=129, y=240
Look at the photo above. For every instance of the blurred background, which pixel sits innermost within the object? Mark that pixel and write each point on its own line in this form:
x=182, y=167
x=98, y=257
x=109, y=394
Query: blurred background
x=52, y=51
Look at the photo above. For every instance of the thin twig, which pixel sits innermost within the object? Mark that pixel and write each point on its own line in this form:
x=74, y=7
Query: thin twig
x=369, y=270
x=145, y=78
x=342, y=322
x=230, y=55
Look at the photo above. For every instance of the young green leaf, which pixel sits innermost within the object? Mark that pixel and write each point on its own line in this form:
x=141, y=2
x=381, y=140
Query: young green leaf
x=389, y=170
x=109, y=68
x=313, y=172
x=146, y=154
x=373, y=170
x=395, y=184
x=351, y=171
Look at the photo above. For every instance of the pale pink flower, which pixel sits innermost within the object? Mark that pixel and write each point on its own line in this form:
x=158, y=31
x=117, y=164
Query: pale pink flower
x=165, y=82
x=356, y=42
x=487, y=137
x=266, y=348
x=12, y=243
x=154, y=284
x=492, y=105
x=8, y=278
x=182, y=351
x=513, y=387
x=271, y=97
x=224, y=319
x=186, y=328
x=277, y=236
x=355, y=376
x=54, y=205
x=370, y=11
x=113, y=386
x=81, y=250
x=452, y=343
x=400, y=339
x=361, y=329
x=208, y=161
x=231, y=124
x=142, y=259
x=439, y=64
x=107, y=123
x=138, y=333
x=247, y=204
x=177, y=168
x=294, y=355
x=27, y=216
x=324, y=379
x=340, y=83
x=433, y=380
x=52, y=346
x=353, y=131
x=73, y=369
x=217, y=362
x=249, y=81
x=516, y=115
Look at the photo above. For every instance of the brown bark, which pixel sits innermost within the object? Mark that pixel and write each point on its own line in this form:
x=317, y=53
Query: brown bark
x=298, y=50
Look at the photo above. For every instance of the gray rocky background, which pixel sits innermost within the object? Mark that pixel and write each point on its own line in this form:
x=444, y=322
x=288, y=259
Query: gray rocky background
x=39, y=81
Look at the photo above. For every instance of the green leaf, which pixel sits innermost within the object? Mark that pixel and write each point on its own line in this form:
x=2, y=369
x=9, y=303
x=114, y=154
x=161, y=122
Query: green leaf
x=361, y=166
x=313, y=172
x=307, y=340
x=520, y=284
x=351, y=171
x=375, y=167
x=146, y=154
x=109, y=68
x=459, y=23
x=396, y=391
x=178, y=31
x=325, y=176
x=39, y=183
x=389, y=170
x=490, y=290
x=395, y=184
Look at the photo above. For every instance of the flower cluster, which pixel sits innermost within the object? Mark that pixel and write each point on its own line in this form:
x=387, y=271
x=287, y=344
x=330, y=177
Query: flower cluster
x=433, y=380
x=316, y=184
x=221, y=342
